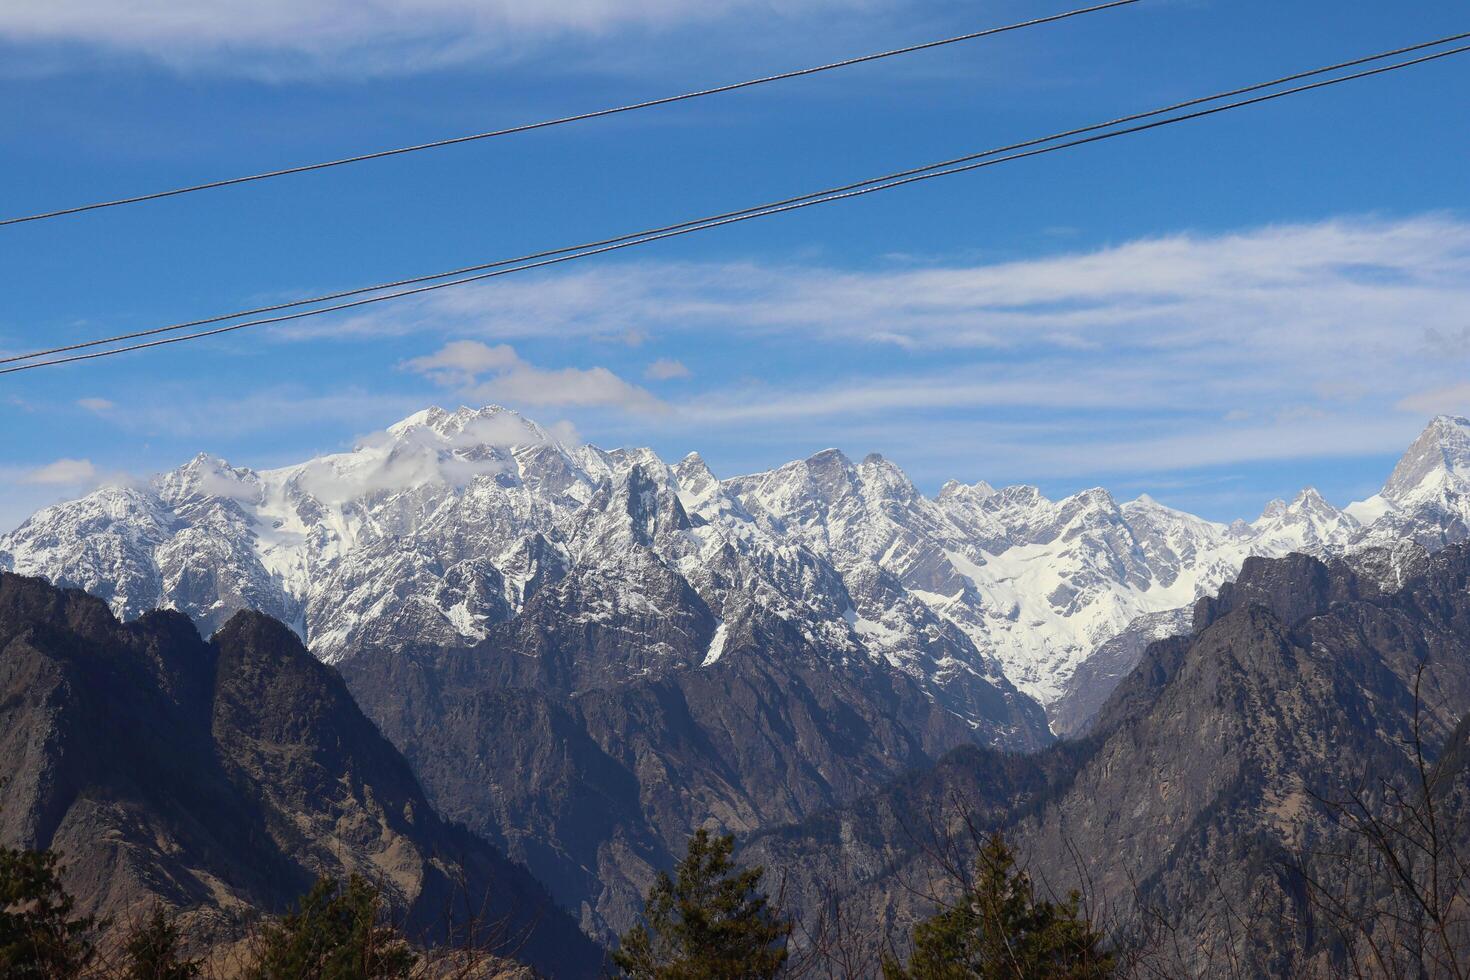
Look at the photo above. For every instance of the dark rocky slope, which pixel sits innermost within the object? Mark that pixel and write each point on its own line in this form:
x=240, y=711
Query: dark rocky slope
x=535, y=738
x=222, y=777
x=1204, y=777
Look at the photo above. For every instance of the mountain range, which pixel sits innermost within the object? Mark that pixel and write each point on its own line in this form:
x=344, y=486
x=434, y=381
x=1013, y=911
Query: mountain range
x=446, y=524
x=584, y=654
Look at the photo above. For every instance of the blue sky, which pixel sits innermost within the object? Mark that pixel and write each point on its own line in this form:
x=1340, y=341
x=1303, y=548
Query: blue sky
x=1215, y=313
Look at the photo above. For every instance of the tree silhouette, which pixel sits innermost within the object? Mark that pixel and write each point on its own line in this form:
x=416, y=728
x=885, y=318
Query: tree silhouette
x=709, y=921
x=1000, y=930
x=337, y=933
x=38, y=935
x=151, y=951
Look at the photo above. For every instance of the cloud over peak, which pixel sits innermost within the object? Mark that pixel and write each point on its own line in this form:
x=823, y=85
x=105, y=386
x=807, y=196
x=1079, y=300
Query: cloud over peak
x=62, y=473
x=484, y=373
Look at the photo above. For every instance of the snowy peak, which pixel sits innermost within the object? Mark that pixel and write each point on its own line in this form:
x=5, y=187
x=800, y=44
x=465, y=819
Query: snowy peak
x=645, y=496
x=829, y=475
x=1427, y=498
x=1310, y=504
x=1440, y=454
x=1308, y=524
x=1274, y=509
x=699, y=488
x=432, y=450
x=954, y=488
x=205, y=477
x=1089, y=508
x=449, y=521
x=492, y=425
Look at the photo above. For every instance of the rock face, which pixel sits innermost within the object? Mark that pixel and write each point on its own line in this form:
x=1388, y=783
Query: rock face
x=223, y=777
x=537, y=738
x=445, y=525
x=1203, y=775
x=1097, y=677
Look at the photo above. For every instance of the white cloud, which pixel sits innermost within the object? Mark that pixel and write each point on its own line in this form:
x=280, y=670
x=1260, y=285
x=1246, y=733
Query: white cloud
x=462, y=361
x=567, y=388
x=1449, y=400
x=665, y=369
x=1345, y=280
x=1211, y=446
x=63, y=472
x=98, y=405
x=262, y=36
x=413, y=465
x=497, y=374
x=1180, y=350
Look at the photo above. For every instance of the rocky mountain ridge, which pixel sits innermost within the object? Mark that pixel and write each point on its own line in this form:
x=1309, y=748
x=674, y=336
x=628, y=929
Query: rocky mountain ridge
x=1207, y=790
x=443, y=526
x=220, y=778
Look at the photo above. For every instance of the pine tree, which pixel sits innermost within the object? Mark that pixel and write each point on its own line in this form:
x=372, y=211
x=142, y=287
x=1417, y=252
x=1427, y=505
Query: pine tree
x=710, y=921
x=151, y=951
x=38, y=935
x=1002, y=931
x=337, y=933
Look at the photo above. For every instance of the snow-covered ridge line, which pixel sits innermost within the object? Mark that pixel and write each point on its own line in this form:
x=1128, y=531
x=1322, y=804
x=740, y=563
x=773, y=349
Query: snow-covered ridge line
x=449, y=522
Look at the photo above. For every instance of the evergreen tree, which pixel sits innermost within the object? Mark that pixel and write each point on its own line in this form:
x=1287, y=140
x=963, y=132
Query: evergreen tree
x=1002, y=931
x=38, y=935
x=337, y=933
x=151, y=951
x=710, y=921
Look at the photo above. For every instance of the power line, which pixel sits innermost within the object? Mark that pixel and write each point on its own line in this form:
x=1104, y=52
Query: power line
x=867, y=187
x=696, y=224
x=563, y=120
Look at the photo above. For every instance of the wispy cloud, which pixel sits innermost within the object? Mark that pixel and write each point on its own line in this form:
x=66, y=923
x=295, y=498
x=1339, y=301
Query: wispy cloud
x=497, y=374
x=1273, y=341
x=665, y=369
x=1449, y=400
x=61, y=473
x=292, y=36
x=1330, y=339
x=1363, y=284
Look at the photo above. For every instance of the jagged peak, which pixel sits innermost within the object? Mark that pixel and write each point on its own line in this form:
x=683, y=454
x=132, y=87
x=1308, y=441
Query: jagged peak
x=1442, y=449
x=1099, y=495
x=1310, y=499
x=1020, y=493
x=828, y=457
x=206, y=461
x=1274, y=508
x=492, y=425
x=209, y=476
x=692, y=471
x=640, y=500
x=885, y=476
x=1093, y=498
x=954, y=490
x=428, y=417
x=1450, y=423
x=1145, y=503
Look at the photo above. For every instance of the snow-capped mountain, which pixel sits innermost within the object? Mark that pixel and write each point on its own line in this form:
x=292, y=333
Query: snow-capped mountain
x=448, y=523
x=1427, y=497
